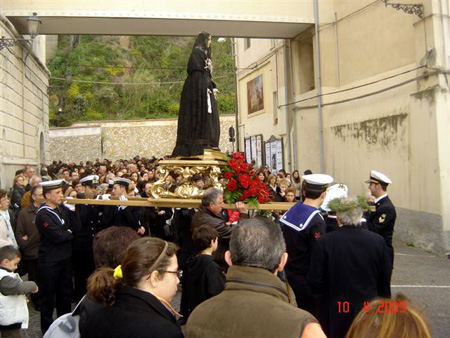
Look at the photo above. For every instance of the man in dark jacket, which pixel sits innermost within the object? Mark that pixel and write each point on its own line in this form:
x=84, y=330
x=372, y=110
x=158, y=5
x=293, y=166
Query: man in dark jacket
x=28, y=238
x=122, y=215
x=348, y=267
x=83, y=257
x=254, y=302
x=210, y=213
x=382, y=219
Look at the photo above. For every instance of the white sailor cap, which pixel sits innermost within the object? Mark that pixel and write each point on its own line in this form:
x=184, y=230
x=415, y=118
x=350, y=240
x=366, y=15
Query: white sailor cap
x=125, y=182
x=317, y=182
x=338, y=190
x=51, y=185
x=377, y=177
x=90, y=180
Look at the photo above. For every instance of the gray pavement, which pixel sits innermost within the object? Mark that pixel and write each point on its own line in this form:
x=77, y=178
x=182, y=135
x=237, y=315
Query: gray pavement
x=425, y=279
x=421, y=276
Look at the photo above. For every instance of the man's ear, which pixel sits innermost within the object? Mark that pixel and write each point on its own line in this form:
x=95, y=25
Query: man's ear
x=228, y=258
x=283, y=261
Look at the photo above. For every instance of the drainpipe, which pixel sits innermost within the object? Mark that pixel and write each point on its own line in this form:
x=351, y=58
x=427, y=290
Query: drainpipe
x=236, y=110
x=24, y=60
x=337, y=49
x=294, y=124
x=286, y=100
x=319, y=85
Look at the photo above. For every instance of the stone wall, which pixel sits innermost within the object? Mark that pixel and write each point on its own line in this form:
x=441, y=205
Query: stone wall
x=23, y=105
x=114, y=140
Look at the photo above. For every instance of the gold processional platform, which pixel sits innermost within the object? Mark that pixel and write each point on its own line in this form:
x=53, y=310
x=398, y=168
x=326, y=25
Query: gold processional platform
x=208, y=165
x=185, y=195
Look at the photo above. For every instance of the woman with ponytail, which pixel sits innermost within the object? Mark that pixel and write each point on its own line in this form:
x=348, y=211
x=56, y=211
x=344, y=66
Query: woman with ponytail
x=138, y=293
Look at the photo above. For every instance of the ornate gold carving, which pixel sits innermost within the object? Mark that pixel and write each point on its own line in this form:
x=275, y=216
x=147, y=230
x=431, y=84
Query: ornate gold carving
x=207, y=165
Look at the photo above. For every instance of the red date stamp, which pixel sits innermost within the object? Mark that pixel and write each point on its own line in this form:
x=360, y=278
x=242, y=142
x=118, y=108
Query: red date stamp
x=383, y=306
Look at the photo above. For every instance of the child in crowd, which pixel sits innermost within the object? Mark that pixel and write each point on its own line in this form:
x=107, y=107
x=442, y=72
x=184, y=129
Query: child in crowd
x=204, y=278
x=283, y=185
x=13, y=303
x=290, y=195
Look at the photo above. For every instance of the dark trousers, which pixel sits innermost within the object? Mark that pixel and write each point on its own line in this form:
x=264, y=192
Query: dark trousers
x=304, y=297
x=55, y=280
x=83, y=266
x=31, y=266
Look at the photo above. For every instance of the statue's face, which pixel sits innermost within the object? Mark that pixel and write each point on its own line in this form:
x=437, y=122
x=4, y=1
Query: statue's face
x=208, y=42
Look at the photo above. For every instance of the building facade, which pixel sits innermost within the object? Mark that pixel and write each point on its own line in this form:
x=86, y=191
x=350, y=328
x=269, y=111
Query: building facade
x=366, y=88
x=23, y=104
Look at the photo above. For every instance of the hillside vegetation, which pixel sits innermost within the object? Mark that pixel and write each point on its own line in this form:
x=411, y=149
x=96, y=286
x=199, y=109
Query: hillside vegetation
x=128, y=77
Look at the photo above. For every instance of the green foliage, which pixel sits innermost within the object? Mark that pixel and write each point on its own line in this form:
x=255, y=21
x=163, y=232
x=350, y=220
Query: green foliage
x=128, y=77
x=231, y=196
x=347, y=204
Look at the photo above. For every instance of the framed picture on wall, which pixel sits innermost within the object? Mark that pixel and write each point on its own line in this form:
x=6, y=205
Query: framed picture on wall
x=255, y=95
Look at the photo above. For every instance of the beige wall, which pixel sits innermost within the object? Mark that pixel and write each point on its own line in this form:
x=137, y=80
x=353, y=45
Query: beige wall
x=379, y=110
x=219, y=8
x=23, y=106
x=270, y=65
x=83, y=141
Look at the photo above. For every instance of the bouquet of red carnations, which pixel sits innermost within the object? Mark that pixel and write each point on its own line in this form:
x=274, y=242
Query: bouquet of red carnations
x=241, y=184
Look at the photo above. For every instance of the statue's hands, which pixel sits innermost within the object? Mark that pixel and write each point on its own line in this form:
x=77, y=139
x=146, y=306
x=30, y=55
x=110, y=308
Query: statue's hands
x=209, y=65
x=216, y=93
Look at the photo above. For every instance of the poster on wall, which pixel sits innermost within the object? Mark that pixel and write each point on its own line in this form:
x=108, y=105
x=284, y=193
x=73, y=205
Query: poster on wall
x=253, y=150
x=248, y=149
x=274, y=154
x=273, y=159
x=253, y=138
x=268, y=158
x=259, y=151
x=255, y=95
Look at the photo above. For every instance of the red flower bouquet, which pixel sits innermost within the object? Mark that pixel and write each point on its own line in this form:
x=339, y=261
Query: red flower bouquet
x=241, y=184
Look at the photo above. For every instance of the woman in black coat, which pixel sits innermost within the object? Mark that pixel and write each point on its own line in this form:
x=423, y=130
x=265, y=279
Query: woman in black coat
x=17, y=194
x=139, y=293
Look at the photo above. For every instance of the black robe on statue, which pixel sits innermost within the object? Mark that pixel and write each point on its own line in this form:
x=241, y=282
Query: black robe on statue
x=198, y=129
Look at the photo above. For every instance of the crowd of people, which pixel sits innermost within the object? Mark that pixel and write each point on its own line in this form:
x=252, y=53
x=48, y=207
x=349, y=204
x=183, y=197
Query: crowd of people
x=332, y=250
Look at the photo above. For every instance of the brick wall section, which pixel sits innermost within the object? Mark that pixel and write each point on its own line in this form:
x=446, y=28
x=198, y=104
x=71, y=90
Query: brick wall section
x=83, y=141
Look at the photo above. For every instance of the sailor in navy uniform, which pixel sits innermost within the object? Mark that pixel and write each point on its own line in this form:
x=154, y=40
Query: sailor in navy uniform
x=56, y=224
x=381, y=218
x=122, y=215
x=302, y=226
x=83, y=256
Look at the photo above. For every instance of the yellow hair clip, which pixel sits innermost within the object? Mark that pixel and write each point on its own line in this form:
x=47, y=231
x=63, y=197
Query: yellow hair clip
x=118, y=272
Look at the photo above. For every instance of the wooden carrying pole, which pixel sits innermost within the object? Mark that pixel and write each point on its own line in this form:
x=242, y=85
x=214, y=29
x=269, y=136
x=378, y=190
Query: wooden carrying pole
x=171, y=203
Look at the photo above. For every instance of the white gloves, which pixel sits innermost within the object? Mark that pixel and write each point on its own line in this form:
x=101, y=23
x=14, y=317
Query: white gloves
x=122, y=198
x=71, y=207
